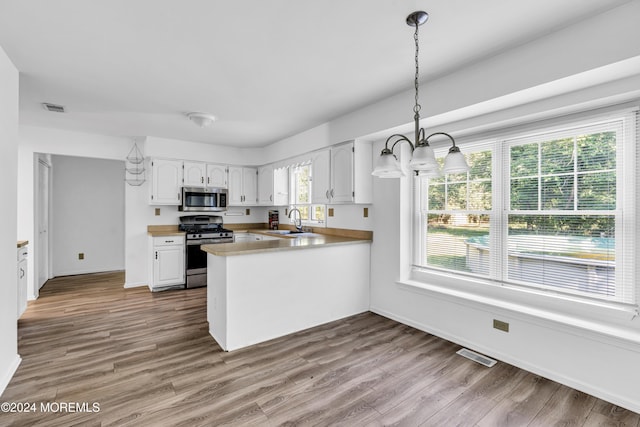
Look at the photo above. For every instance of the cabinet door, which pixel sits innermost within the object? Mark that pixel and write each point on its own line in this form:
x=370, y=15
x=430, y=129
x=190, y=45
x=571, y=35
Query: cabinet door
x=194, y=174
x=321, y=183
x=250, y=186
x=168, y=267
x=281, y=187
x=236, y=195
x=166, y=182
x=265, y=185
x=342, y=173
x=217, y=176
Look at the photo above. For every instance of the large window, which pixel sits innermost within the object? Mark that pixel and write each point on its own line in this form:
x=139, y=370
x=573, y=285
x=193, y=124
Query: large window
x=301, y=182
x=551, y=210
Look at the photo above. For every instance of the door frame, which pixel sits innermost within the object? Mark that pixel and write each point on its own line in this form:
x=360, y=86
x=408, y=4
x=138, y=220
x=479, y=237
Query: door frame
x=41, y=260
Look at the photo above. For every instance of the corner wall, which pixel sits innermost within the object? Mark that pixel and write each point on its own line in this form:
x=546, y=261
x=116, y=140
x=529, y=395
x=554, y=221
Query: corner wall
x=9, y=359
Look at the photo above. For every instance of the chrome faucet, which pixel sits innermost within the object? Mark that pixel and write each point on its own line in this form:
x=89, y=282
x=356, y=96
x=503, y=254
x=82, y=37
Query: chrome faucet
x=298, y=222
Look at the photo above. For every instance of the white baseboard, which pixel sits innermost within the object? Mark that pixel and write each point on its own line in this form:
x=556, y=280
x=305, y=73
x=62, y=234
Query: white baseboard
x=544, y=371
x=6, y=377
x=135, y=285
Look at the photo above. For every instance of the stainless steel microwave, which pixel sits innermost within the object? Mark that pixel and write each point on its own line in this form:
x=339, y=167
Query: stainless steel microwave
x=204, y=199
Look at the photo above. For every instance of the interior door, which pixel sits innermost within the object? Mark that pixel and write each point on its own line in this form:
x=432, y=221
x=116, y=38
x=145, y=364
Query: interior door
x=42, y=225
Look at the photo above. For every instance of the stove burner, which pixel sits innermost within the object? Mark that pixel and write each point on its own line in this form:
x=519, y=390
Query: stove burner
x=204, y=227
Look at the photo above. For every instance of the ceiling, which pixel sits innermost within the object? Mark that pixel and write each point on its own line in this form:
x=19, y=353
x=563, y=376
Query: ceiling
x=265, y=69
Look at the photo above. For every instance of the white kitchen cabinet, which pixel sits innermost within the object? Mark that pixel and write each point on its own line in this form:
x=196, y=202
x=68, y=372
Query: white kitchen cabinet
x=22, y=279
x=281, y=186
x=321, y=172
x=243, y=186
x=217, y=176
x=265, y=185
x=194, y=174
x=166, y=182
x=168, y=262
x=342, y=190
x=342, y=174
x=199, y=174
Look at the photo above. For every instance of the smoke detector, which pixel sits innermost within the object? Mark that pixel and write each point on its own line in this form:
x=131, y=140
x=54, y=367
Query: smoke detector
x=202, y=119
x=53, y=107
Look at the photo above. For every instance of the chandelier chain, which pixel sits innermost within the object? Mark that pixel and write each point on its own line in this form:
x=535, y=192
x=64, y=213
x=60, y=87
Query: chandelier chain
x=417, y=107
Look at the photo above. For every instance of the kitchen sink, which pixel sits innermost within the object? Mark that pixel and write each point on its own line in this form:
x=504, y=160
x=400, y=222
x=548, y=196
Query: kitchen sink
x=293, y=233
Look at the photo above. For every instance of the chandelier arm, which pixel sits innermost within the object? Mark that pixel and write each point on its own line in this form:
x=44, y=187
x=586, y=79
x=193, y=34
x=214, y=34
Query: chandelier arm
x=400, y=139
x=453, y=141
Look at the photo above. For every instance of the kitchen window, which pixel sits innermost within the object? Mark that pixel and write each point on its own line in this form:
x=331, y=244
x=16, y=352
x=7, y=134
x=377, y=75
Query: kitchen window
x=551, y=210
x=301, y=180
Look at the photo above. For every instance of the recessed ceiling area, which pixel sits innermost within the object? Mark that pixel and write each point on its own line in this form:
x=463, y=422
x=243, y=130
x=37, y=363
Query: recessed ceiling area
x=265, y=69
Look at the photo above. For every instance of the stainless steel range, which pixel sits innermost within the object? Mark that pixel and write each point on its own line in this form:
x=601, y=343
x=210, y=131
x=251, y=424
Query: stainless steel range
x=201, y=230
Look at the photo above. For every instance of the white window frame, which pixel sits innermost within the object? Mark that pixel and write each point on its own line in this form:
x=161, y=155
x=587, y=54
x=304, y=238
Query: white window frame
x=504, y=293
x=295, y=204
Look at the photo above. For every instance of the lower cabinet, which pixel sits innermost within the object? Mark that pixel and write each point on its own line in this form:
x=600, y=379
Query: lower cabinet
x=168, y=262
x=22, y=279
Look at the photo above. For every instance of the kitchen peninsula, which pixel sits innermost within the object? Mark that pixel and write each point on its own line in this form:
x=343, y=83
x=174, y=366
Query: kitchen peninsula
x=265, y=289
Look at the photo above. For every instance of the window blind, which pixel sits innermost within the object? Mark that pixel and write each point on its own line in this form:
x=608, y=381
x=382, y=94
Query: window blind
x=550, y=209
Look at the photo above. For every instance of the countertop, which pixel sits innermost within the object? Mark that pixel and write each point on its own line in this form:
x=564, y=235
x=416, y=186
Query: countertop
x=164, y=230
x=279, y=244
x=22, y=243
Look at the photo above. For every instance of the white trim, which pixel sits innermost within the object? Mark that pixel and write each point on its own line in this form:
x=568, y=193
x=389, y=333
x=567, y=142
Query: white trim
x=557, y=311
x=9, y=373
x=135, y=285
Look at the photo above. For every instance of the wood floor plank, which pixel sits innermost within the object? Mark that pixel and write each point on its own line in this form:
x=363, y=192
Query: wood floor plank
x=147, y=359
x=567, y=407
x=523, y=403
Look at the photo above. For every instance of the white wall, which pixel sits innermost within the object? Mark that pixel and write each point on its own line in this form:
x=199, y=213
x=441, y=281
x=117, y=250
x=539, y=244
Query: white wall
x=9, y=359
x=87, y=215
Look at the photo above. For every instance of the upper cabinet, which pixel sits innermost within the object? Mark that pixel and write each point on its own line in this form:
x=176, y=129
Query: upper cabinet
x=342, y=171
x=243, y=186
x=273, y=186
x=281, y=186
x=217, y=176
x=265, y=185
x=342, y=174
x=194, y=174
x=166, y=182
x=198, y=174
x=321, y=183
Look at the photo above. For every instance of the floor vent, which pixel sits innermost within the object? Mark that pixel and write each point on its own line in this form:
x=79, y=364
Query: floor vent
x=476, y=357
x=53, y=107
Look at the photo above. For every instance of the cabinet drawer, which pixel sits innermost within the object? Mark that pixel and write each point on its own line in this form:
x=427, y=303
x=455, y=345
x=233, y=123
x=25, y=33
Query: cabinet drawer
x=168, y=240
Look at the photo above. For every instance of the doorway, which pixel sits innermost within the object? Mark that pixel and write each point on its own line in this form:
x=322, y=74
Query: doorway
x=42, y=209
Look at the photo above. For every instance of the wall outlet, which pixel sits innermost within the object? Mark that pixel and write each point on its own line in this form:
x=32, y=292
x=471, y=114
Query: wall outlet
x=81, y=255
x=365, y=212
x=247, y=211
x=330, y=211
x=500, y=325
x=157, y=211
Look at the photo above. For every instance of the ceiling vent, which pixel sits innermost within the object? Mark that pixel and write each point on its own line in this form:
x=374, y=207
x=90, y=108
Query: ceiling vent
x=53, y=107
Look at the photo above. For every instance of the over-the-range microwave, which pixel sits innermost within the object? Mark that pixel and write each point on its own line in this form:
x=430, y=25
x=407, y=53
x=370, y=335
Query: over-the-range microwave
x=204, y=199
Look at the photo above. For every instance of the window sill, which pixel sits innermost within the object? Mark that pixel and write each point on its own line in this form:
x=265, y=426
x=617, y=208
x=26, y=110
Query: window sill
x=610, y=321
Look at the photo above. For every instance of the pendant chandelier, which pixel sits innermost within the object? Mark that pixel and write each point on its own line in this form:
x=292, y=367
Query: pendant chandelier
x=423, y=160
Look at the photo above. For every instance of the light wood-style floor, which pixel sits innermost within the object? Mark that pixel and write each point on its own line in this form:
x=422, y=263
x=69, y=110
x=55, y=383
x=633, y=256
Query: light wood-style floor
x=147, y=360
